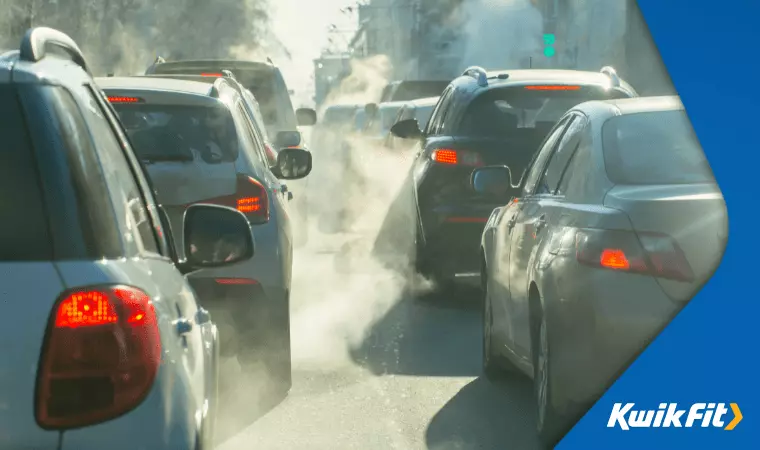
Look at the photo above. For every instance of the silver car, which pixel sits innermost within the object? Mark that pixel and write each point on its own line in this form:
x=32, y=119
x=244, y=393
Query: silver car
x=618, y=224
x=103, y=333
x=200, y=146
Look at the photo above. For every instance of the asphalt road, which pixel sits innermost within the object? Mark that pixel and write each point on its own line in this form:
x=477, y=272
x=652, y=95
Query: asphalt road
x=377, y=368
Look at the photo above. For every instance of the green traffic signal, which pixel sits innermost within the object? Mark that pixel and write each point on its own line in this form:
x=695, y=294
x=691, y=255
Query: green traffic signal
x=549, y=52
x=549, y=39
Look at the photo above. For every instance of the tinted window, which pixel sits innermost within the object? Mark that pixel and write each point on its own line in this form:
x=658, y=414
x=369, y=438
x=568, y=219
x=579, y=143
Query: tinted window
x=180, y=133
x=654, y=148
x=505, y=112
x=255, y=150
x=384, y=120
x=24, y=232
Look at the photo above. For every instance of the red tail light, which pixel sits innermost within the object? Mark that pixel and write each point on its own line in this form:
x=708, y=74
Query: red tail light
x=648, y=253
x=100, y=357
x=456, y=157
x=250, y=199
x=122, y=99
x=212, y=74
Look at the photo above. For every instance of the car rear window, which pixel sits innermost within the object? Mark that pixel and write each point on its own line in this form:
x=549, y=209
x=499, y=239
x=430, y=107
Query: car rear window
x=180, y=133
x=654, y=148
x=499, y=113
x=24, y=230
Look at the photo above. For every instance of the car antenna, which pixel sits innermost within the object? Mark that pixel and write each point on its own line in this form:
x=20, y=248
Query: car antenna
x=530, y=62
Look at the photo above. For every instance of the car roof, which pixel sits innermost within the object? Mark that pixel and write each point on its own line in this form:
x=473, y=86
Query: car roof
x=230, y=64
x=391, y=105
x=647, y=104
x=154, y=83
x=523, y=77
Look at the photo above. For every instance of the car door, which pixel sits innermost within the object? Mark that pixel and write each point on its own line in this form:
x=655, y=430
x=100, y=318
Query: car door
x=191, y=323
x=520, y=233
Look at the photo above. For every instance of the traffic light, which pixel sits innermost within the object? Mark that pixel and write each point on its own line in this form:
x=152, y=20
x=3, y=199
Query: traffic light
x=549, y=41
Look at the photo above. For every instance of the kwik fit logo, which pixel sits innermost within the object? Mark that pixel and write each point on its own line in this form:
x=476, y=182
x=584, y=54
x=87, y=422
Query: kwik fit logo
x=669, y=415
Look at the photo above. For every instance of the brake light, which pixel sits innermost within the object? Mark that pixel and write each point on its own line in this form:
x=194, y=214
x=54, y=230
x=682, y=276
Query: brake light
x=250, y=199
x=121, y=99
x=655, y=254
x=456, y=157
x=212, y=74
x=552, y=88
x=100, y=357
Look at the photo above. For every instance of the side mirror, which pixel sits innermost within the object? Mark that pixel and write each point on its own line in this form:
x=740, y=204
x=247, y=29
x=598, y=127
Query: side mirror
x=215, y=236
x=491, y=180
x=407, y=129
x=293, y=163
x=306, y=117
x=287, y=139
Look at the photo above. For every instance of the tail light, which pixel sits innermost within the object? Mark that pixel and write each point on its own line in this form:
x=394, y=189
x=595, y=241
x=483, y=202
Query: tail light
x=250, y=199
x=100, y=357
x=655, y=254
x=456, y=157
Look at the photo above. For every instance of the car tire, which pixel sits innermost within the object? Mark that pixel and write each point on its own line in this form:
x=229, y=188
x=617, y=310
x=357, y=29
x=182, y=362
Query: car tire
x=549, y=422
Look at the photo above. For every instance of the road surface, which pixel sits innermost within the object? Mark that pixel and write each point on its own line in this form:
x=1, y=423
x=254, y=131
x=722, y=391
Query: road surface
x=381, y=373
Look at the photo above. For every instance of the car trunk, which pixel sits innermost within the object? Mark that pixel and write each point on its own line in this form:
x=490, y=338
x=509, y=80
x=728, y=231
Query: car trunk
x=694, y=215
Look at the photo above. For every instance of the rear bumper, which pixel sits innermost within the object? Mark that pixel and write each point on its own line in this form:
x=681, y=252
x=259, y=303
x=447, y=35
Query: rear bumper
x=451, y=250
x=599, y=321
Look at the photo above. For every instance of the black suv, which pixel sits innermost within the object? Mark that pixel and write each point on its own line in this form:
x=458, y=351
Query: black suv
x=496, y=118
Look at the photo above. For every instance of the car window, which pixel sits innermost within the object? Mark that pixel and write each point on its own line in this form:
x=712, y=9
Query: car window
x=130, y=210
x=139, y=173
x=436, y=116
x=672, y=154
x=256, y=151
x=422, y=114
x=576, y=166
x=517, y=110
x=180, y=133
x=536, y=168
x=24, y=228
x=561, y=156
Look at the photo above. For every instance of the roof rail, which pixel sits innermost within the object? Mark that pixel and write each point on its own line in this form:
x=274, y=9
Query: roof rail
x=478, y=73
x=612, y=74
x=36, y=41
x=269, y=60
x=159, y=60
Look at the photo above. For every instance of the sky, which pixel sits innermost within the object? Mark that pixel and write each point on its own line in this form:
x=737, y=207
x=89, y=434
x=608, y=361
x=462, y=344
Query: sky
x=301, y=25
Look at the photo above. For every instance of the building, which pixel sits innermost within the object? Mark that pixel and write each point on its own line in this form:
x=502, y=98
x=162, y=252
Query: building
x=329, y=71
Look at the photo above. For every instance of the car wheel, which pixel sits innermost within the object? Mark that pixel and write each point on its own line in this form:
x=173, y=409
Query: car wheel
x=548, y=421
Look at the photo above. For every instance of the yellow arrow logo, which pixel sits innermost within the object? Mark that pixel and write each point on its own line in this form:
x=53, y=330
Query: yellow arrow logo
x=737, y=417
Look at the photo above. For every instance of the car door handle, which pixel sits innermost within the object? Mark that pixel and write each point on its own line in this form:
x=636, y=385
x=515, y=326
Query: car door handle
x=183, y=326
x=202, y=316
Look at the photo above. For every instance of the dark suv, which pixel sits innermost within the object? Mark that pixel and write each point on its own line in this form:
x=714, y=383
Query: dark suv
x=496, y=118
x=104, y=334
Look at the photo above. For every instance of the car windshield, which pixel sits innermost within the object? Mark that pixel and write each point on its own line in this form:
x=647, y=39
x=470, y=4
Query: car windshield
x=180, y=133
x=654, y=148
x=497, y=113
